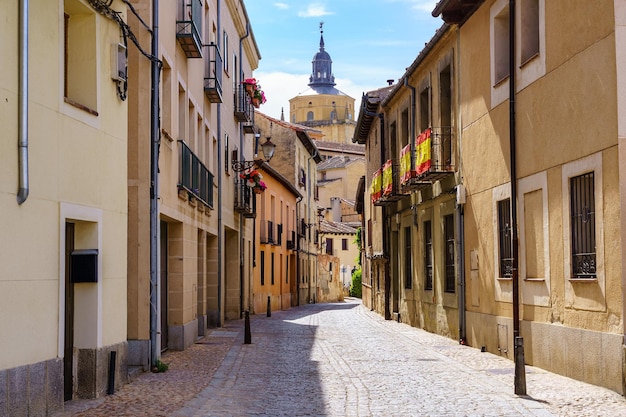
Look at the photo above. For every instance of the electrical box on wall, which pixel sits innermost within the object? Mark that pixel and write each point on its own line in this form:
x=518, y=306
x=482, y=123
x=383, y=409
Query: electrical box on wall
x=84, y=265
x=118, y=62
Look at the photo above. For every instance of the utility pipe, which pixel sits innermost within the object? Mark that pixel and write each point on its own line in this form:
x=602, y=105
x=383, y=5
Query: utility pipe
x=155, y=137
x=220, y=175
x=518, y=341
x=22, y=144
x=239, y=189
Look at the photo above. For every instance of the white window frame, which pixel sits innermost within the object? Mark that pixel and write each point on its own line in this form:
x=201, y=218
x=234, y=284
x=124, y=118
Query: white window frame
x=503, y=288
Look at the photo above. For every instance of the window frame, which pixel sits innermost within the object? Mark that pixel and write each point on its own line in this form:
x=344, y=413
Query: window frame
x=449, y=253
x=428, y=255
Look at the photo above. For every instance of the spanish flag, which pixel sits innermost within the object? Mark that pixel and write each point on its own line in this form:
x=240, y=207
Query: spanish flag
x=405, y=165
x=376, y=187
x=422, y=152
x=388, y=178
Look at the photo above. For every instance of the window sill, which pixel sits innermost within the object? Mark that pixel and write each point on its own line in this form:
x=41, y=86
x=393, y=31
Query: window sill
x=504, y=279
x=80, y=106
x=584, y=280
x=534, y=279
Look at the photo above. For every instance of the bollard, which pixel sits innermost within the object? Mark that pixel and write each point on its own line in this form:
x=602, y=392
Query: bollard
x=247, y=338
x=269, y=307
x=520, y=370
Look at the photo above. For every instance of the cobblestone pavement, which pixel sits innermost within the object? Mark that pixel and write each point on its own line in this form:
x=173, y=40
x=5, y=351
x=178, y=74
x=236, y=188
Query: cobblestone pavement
x=341, y=359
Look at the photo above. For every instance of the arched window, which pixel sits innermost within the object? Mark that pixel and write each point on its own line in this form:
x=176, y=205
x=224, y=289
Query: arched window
x=309, y=116
x=333, y=115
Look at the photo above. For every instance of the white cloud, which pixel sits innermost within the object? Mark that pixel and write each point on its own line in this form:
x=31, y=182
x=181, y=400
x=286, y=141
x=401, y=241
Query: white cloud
x=282, y=6
x=314, y=10
x=424, y=5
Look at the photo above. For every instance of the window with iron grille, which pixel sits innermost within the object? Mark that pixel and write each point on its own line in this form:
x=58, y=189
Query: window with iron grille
x=448, y=232
x=428, y=255
x=262, y=268
x=583, y=226
x=408, y=268
x=505, y=236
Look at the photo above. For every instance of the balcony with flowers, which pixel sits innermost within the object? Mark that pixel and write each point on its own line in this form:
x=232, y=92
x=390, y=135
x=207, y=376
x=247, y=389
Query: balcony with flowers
x=253, y=179
x=254, y=91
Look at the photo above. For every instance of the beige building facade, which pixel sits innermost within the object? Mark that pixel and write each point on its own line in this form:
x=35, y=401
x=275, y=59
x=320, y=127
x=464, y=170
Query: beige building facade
x=202, y=231
x=63, y=199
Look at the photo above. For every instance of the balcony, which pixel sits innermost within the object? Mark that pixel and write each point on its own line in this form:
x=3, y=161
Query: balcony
x=213, y=73
x=193, y=176
x=390, y=185
x=433, y=159
x=244, y=112
x=244, y=199
x=267, y=232
x=291, y=242
x=188, y=24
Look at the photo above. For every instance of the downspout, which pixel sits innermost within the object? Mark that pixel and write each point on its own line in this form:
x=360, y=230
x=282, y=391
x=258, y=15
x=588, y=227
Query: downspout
x=154, y=188
x=518, y=341
x=297, y=243
x=22, y=142
x=241, y=218
x=308, y=216
x=220, y=175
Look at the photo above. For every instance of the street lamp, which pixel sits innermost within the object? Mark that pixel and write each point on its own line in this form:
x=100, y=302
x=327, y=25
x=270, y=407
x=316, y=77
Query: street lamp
x=267, y=148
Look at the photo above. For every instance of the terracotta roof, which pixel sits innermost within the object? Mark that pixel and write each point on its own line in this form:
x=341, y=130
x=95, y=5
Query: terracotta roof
x=352, y=148
x=338, y=161
x=347, y=228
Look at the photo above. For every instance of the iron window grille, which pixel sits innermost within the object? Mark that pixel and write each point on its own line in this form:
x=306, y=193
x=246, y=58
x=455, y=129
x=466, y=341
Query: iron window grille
x=448, y=231
x=583, y=226
x=428, y=255
x=408, y=267
x=505, y=238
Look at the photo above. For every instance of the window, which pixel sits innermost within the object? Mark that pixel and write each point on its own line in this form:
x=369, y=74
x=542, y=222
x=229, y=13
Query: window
x=80, y=57
x=404, y=125
x=262, y=268
x=226, y=156
x=408, y=268
x=272, y=268
x=448, y=233
x=424, y=109
x=344, y=244
x=583, y=226
x=225, y=51
x=309, y=116
x=445, y=111
x=428, y=255
x=329, y=246
x=302, y=178
x=505, y=243
x=529, y=30
x=500, y=35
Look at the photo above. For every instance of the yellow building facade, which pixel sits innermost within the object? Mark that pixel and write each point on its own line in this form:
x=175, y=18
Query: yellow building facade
x=63, y=200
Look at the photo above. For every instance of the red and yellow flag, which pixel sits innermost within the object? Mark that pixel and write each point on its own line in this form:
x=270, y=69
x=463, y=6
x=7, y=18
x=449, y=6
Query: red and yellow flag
x=376, y=187
x=405, y=165
x=388, y=178
x=422, y=152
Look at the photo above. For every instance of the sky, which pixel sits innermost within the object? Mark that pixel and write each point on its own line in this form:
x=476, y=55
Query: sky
x=369, y=42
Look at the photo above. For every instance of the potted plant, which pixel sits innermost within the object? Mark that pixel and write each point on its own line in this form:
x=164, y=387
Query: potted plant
x=253, y=180
x=253, y=88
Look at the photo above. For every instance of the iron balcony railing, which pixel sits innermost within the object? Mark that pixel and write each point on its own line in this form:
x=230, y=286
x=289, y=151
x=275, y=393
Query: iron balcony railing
x=244, y=199
x=193, y=176
x=243, y=108
x=291, y=242
x=433, y=159
x=213, y=73
x=390, y=184
x=188, y=26
x=267, y=233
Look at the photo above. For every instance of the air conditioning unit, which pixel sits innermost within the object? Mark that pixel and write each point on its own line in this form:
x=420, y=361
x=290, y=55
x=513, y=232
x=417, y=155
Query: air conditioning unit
x=118, y=62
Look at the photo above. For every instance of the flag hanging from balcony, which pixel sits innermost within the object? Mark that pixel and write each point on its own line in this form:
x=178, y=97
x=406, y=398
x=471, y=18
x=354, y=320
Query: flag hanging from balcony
x=422, y=152
x=405, y=165
x=376, y=187
x=387, y=178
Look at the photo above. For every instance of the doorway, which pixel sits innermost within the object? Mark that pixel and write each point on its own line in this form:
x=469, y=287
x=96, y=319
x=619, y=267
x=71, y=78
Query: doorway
x=163, y=286
x=68, y=340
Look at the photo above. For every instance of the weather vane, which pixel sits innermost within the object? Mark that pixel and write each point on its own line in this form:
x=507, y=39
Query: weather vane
x=322, y=26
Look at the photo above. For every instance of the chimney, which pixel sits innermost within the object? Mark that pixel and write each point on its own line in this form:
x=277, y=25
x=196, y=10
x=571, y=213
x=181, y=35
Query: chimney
x=390, y=82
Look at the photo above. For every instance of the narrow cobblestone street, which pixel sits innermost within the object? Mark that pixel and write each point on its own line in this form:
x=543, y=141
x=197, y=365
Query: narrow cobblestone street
x=343, y=360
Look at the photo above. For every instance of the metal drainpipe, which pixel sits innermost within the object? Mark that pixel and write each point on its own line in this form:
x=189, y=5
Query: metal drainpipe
x=22, y=143
x=220, y=169
x=154, y=189
x=241, y=218
x=518, y=341
x=308, y=217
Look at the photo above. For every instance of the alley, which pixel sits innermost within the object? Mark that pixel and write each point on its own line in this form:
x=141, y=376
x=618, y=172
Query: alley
x=343, y=360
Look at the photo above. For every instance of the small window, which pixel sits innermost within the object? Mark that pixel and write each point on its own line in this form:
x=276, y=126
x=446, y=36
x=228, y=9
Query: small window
x=428, y=255
x=329, y=246
x=529, y=30
x=408, y=258
x=226, y=155
x=225, y=51
x=505, y=237
x=583, y=226
x=309, y=116
x=344, y=244
x=448, y=232
x=424, y=109
x=501, y=57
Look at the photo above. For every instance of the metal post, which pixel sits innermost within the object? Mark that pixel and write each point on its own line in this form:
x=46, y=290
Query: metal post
x=247, y=338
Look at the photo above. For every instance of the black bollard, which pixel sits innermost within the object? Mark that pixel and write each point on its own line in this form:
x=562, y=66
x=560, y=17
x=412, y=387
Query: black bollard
x=247, y=337
x=269, y=307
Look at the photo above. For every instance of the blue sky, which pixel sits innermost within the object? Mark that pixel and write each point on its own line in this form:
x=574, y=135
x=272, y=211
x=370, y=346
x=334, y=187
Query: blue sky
x=369, y=41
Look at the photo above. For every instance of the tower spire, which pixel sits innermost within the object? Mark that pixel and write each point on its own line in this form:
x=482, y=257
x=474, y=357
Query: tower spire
x=322, y=75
